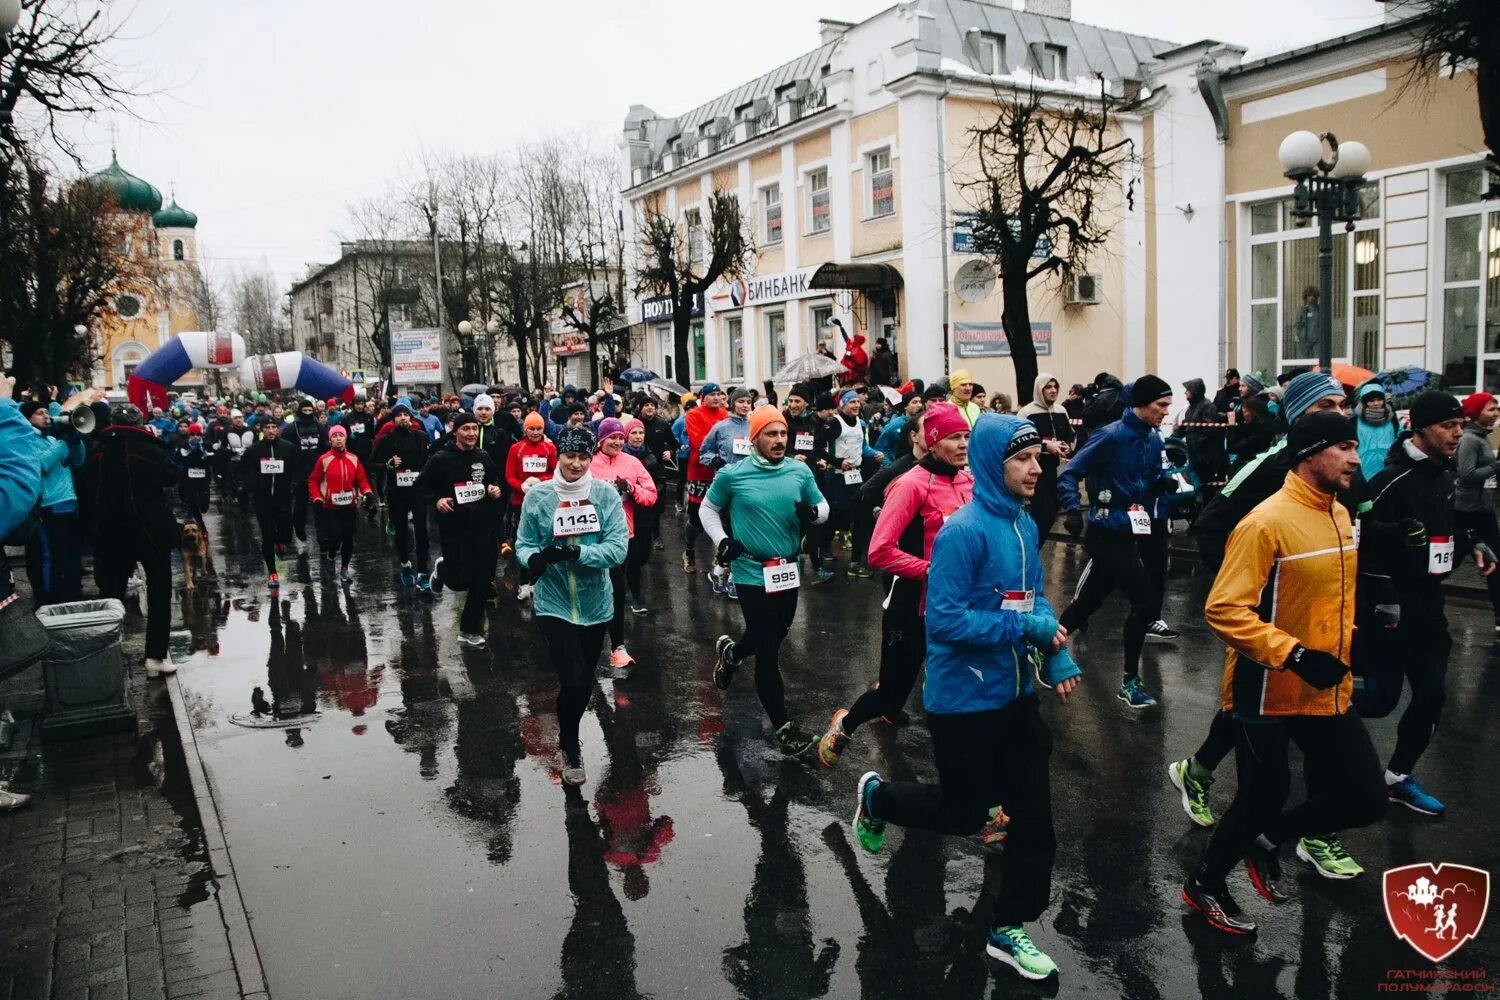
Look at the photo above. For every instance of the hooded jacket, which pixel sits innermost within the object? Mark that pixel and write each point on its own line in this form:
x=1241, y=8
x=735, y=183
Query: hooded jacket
x=855, y=361
x=717, y=449
x=1375, y=439
x=1207, y=443
x=516, y=473
x=578, y=590
x=923, y=495
x=626, y=466
x=1121, y=462
x=335, y=473
x=264, y=483
x=1474, y=486
x=984, y=558
x=1421, y=488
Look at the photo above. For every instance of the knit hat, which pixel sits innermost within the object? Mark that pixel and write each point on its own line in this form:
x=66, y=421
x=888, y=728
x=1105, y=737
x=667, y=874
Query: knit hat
x=848, y=396
x=1148, y=389
x=1023, y=437
x=533, y=419
x=709, y=387
x=335, y=431
x=463, y=417
x=1475, y=403
x=1433, y=407
x=686, y=398
x=576, y=439
x=1318, y=431
x=802, y=392
x=934, y=392
x=484, y=399
x=940, y=420
x=608, y=427
x=631, y=423
x=198, y=429
x=762, y=417
x=737, y=395
x=1305, y=390
x=31, y=406
x=1253, y=384
x=235, y=413
x=824, y=401
x=959, y=377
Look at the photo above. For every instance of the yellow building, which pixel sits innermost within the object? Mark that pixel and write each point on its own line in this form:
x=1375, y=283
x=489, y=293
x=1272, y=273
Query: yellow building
x=148, y=313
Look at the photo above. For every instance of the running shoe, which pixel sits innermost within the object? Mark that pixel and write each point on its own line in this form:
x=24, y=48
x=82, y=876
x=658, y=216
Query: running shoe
x=473, y=639
x=273, y=581
x=408, y=578
x=1411, y=795
x=717, y=583
x=724, y=662
x=155, y=668
x=637, y=608
x=345, y=575
x=860, y=570
x=620, y=662
x=1264, y=869
x=689, y=564
x=1135, y=695
x=1194, y=792
x=390, y=529
x=1162, y=632
x=1328, y=857
x=898, y=718
x=12, y=800
x=573, y=772
x=794, y=740
x=822, y=576
x=869, y=831
x=993, y=831
x=523, y=592
x=834, y=741
x=730, y=590
x=424, y=583
x=1217, y=906
x=437, y=576
x=1012, y=945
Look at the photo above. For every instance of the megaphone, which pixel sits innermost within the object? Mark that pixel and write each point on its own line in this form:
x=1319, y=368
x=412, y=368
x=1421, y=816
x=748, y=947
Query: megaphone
x=83, y=420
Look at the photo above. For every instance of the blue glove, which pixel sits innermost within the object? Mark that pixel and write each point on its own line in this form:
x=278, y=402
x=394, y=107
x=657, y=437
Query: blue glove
x=1058, y=667
x=1039, y=629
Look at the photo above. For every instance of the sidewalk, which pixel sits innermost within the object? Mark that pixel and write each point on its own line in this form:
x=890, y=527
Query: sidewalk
x=107, y=889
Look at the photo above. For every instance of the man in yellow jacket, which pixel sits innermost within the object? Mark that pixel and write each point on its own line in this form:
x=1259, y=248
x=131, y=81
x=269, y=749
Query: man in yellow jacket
x=1284, y=603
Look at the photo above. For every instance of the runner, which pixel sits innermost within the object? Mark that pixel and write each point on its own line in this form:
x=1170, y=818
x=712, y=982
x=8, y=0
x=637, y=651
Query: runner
x=917, y=504
x=961, y=387
x=311, y=439
x=630, y=480
x=463, y=481
x=269, y=467
x=572, y=534
x=1475, y=480
x=802, y=437
x=647, y=519
x=530, y=461
x=697, y=422
x=1122, y=465
x=336, y=480
x=1055, y=427
x=852, y=458
x=1284, y=604
x=770, y=502
x=196, y=465
x=239, y=437
x=726, y=443
x=402, y=452
x=989, y=629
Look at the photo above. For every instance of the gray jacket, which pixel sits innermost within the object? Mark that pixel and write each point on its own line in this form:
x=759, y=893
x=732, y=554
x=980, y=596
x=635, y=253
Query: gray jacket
x=1475, y=466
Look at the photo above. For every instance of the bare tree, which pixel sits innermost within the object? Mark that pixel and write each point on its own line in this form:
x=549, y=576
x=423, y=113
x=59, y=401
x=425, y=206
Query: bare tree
x=257, y=311
x=205, y=293
x=682, y=262
x=387, y=270
x=1047, y=167
x=598, y=254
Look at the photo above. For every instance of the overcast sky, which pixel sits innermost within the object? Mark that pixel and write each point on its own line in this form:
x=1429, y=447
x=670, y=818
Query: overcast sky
x=276, y=113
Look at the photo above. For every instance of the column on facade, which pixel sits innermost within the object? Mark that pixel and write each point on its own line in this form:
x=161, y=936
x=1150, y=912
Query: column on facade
x=923, y=174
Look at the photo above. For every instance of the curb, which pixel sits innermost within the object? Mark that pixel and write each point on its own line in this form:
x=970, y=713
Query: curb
x=242, y=948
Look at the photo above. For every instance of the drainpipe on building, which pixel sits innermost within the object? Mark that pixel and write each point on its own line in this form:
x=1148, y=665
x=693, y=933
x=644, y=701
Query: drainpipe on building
x=942, y=130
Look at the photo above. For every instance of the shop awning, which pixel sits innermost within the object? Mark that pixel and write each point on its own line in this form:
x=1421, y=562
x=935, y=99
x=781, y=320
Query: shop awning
x=860, y=276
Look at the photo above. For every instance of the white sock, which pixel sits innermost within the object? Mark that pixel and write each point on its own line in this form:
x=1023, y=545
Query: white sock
x=1392, y=778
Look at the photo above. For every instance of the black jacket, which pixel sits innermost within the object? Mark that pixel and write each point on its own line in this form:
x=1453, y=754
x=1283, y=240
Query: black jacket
x=805, y=424
x=1226, y=397
x=361, y=428
x=448, y=466
x=413, y=446
x=279, y=488
x=883, y=367
x=1412, y=488
x=659, y=438
x=310, y=438
x=124, y=486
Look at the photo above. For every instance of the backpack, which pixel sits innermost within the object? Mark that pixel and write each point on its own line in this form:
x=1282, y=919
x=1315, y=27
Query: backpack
x=1105, y=408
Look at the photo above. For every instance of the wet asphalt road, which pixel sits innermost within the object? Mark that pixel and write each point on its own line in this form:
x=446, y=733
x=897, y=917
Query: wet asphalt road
x=413, y=839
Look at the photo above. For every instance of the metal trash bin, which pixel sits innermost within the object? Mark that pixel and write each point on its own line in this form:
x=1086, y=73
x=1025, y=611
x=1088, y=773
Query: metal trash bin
x=84, y=669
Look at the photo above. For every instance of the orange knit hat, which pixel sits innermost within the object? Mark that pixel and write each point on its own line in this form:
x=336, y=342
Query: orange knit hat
x=762, y=417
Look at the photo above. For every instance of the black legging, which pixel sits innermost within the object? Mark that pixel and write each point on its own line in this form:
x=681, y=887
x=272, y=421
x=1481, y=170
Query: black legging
x=1043, y=503
x=274, y=517
x=1218, y=743
x=638, y=555
x=1345, y=788
x=617, y=620
x=397, y=508
x=1419, y=650
x=903, y=647
x=117, y=548
x=1117, y=560
x=336, y=532
x=768, y=618
x=574, y=650
x=692, y=528
x=985, y=759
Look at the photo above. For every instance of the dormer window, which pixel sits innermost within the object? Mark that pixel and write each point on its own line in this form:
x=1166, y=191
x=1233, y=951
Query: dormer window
x=1050, y=62
x=990, y=54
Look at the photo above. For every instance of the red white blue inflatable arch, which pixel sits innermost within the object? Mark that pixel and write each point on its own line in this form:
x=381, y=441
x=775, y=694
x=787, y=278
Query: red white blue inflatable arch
x=148, y=383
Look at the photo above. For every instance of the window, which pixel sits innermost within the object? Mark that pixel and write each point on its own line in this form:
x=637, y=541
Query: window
x=1050, y=62
x=770, y=198
x=1471, y=285
x=1284, y=293
x=734, y=334
x=776, y=340
x=817, y=202
x=668, y=349
x=990, y=54
x=693, y=218
x=882, y=183
x=178, y=253
x=127, y=305
x=700, y=352
x=819, y=315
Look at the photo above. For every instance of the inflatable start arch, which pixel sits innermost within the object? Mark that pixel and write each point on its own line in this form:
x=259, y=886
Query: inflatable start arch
x=293, y=370
x=148, y=384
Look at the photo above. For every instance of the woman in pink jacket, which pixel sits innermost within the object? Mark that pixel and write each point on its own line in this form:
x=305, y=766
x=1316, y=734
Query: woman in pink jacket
x=916, y=505
x=612, y=464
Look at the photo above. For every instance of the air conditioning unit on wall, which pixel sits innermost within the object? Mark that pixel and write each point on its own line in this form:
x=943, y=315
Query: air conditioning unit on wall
x=1083, y=289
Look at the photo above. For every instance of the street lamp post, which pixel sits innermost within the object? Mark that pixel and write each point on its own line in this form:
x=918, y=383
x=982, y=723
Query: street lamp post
x=491, y=338
x=1328, y=176
x=466, y=346
x=10, y=16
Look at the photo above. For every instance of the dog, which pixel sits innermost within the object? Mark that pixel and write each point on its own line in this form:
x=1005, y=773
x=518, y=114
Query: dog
x=193, y=547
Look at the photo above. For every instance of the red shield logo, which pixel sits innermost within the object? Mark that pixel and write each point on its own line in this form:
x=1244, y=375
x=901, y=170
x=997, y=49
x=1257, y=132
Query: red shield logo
x=1436, y=908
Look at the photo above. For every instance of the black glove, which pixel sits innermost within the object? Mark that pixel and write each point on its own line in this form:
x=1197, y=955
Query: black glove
x=1165, y=486
x=807, y=514
x=1073, y=521
x=729, y=550
x=555, y=553
x=1413, y=533
x=537, y=564
x=622, y=487
x=1321, y=670
x=568, y=553
x=368, y=499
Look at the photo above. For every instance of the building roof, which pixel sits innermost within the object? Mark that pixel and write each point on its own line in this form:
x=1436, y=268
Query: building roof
x=1391, y=28
x=130, y=192
x=174, y=216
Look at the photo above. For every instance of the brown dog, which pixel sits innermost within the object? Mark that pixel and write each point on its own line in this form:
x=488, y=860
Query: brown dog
x=193, y=547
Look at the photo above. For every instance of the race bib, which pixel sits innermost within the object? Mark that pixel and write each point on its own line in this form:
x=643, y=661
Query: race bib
x=309, y=442
x=272, y=466
x=356, y=429
x=406, y=478
x=1489, y=483
x=1140, y=520
x=740, y=446
x=853, y=477
x=802, y=442
x=468, y=492
x=574, y=517
x=533, y=463
x=1018, y=600
x=342, y=499
x=780, y=575
x=1439, y=555
x=197, y=473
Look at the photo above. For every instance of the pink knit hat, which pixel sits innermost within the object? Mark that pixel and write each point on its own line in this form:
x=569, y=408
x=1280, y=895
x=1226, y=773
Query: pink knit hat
x=337, y=430
x=939, y=420
x=631, y=424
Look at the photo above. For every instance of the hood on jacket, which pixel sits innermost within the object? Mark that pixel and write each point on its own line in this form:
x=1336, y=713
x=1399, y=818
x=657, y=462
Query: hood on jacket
x=992, y=432
x=1036, y=405
x=1196, y=390
x=1359, y=403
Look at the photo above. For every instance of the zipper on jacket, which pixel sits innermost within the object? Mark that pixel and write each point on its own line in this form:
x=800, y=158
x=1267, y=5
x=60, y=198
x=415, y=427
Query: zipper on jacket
x=1016, y=527
x=1343, y=590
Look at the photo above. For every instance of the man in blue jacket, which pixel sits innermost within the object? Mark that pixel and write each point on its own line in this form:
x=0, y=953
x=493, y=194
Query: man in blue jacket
x=1121, y=462
x=989, y=631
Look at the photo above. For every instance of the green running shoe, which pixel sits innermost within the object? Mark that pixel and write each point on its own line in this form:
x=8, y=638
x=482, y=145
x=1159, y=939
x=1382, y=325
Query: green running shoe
x=1012, y=945
x=1327, y=855
x=869, y=831
x=1194, y=793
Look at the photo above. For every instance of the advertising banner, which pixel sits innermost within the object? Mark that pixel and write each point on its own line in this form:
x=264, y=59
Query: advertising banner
x=987, y=340
x=417, y=357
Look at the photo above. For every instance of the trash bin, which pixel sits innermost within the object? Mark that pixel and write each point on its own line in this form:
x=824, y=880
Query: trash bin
x=84, y=669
